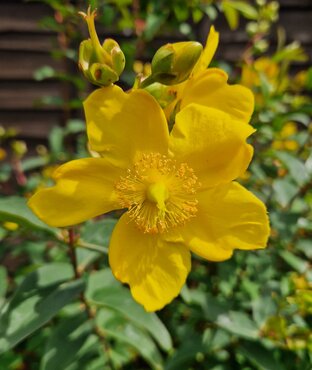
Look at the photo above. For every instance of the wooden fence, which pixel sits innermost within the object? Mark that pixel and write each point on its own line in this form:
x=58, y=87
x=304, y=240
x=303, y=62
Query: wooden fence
x=25, y=47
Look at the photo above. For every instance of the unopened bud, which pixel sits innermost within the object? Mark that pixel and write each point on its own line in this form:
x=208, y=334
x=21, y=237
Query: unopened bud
x=101, y=64
x=19, y=147
x=173, y=63
x=161, y=93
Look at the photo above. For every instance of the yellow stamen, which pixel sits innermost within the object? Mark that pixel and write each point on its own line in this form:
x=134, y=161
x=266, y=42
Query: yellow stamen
x=159, y=193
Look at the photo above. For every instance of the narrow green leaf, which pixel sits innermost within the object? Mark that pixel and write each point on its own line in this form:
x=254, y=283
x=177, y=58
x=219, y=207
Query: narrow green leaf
x=231, y=14
x=3, y=282
x=247, y=10
x=295, y=262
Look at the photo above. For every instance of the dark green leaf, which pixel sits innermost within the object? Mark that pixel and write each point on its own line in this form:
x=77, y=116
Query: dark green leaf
x=114, y=326
x=60, y=353
x=40, y=296
x=260, y=356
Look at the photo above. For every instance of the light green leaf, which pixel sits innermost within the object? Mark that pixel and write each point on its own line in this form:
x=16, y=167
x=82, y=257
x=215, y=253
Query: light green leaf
x=56, y=140
x=231, y=14
x=15, y=209
x=284, y=191
x=238, y=323
x=104, y=291
x=295, y=262
x=31, y=163
x=40, y=296
x=262, y=309
x=297, y=169
x=247, y=10
x=153, y=24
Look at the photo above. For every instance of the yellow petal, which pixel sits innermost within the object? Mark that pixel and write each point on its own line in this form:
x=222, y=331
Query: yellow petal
x=210, y=88
x=212, y=143
x=84, y=189
x=208, y=52
x=121, y=125
x=229, y=217
x=155, y=269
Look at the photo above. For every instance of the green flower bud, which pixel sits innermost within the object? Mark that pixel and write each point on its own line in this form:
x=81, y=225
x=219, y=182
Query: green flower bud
x=161, y=93
x=173, y=63
x=101, y=64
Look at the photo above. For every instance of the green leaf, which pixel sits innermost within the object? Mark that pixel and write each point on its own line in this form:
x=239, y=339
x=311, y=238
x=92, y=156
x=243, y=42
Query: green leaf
x=3, y=281
x=238, y=323
x=31, y=163
x=116, y=327
x=15, y=209
x=184, y=356
x=3, y=284
x=295, y=262
x=75, y=126
x=247, y=10
x=231, y=14
x=260, y=356
x=56, y=140
x=284, y=191
x=305, y=246
x=98, y=232
x=262, y=309
x=104, y=291
x=39, y=297
x=44, y=72
x=60, y=354
x=153, y=24
x=297, y=169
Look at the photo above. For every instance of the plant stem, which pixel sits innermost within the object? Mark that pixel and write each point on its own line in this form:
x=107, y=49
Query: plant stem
x=91, y=313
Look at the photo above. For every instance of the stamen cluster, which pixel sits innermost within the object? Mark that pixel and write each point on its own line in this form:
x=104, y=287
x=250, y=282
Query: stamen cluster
x=174, y=203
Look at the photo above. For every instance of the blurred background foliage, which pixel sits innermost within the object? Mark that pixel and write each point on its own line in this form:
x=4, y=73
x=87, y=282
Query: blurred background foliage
x=251, y=312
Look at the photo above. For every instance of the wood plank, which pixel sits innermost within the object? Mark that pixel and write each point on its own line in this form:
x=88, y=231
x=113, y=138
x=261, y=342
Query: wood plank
x=27, y=41
x=31, y=124
x=21, y=95
x=296, y=23
x=22, y=65
x=23, y=17
x=295, y=3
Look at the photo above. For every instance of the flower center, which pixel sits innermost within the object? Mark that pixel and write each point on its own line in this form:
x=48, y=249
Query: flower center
x=159, y=193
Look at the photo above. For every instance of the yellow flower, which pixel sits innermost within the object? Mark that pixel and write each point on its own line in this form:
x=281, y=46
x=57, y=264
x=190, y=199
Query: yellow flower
x=3, y=154
x=209, y=87
x=176, y=188
x=251, y=73
x=11, y=226
x=284, y=140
